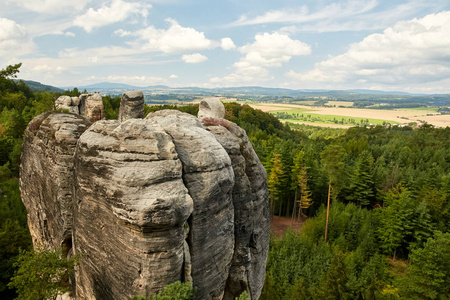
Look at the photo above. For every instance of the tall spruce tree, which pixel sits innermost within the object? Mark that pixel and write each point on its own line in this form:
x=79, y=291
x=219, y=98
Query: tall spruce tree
x=361, y=190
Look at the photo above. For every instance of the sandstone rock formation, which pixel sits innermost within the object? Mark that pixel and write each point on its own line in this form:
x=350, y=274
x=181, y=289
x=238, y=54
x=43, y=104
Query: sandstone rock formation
x=93, y=107
x=131, y=106
x=149, y=201
x=68, y=103
x=82, y=105
x=130, y=212
x=77, y=105
x=46, y=176
x=209, y=178
x=251, y=215
x=211, y=108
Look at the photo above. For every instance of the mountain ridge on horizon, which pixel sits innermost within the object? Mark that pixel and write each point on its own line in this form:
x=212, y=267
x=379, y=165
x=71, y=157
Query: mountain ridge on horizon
x=105, y=86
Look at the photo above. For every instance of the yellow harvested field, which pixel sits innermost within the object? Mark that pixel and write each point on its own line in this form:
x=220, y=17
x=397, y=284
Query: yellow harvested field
x=400, y=116
x=339, y=103
x=265, y=107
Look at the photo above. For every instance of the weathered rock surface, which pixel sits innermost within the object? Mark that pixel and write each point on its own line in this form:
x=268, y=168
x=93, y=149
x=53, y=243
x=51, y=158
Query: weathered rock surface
x=211, y=108
x=131, y=210
x=131, y=106
x=77, y=105
x=149, y=202
x=93, y=109
x=82, y=105
x=68, y=103
x=208, y=175
x=46, y=176
x=251, y=211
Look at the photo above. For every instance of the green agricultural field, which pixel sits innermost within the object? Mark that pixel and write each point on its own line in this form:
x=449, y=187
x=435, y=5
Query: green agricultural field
x=429, y=108
x=307, y=102
x=305, y=115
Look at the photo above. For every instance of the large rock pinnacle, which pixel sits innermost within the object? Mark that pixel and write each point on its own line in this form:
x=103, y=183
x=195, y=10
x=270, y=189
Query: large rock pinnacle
x=131, y=106
x=148, y=202
x=93, y=109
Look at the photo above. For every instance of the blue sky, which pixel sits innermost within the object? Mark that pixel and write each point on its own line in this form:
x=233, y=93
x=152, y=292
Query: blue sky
x=394, y=45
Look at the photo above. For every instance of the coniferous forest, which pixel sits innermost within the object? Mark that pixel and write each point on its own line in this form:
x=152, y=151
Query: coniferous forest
x=388, y=233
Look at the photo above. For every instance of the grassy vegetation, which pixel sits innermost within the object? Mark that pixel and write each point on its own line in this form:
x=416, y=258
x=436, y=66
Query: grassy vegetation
x=299, y=115
x=304, y=102
x=429, y=108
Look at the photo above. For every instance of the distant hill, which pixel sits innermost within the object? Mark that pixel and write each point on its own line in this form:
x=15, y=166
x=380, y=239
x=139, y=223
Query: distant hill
x=369, y=92
x=118, y=88
x=39, y=87
x=108, y=85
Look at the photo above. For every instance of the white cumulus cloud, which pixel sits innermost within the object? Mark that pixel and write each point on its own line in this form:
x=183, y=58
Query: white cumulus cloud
x=194, y=58
x=13, y=40
x=268, y=50
x=174, y=39
x=117, y=11
x=227, y=44
x=10, y=30
x=273, y=49
x=173, y=76
x=411, y=51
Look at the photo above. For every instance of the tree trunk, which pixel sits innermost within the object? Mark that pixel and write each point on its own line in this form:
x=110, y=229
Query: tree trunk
x=287, y=207
x=328, y=211
x=281, y=206
x=294, y=208
x=271, y=207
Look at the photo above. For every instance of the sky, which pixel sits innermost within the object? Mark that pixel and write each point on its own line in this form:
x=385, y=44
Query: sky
x=390, y=45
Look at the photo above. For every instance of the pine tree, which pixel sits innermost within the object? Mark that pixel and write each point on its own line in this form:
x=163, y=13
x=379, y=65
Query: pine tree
x=428, y=276
x=332, y=162
x=395, y=219
x=362, y=185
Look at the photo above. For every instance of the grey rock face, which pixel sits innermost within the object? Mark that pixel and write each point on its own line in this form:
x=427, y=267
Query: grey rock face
x=131, y=106
x=208, y=175
x=93, y=107
x=46, y=176
x=82, y=104
x=68, y=103
x=251, y=211
x=211, y=108
x=149, y=202
x=131, y=210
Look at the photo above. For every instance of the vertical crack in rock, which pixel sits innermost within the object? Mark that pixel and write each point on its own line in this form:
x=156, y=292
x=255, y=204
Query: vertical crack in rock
x=250, y=200
x=208, y=175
